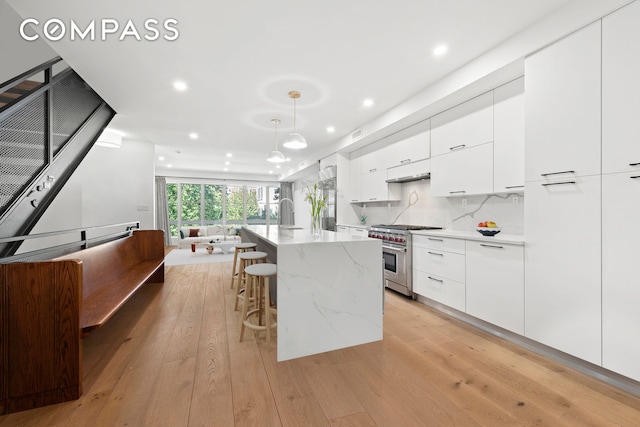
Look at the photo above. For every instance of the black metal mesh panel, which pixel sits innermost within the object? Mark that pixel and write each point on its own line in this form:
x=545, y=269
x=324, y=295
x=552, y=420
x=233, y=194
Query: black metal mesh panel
x=72, y=103
x=22, y=149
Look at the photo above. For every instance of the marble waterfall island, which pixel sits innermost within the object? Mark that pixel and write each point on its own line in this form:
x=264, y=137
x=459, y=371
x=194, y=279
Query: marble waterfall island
x=330, y=292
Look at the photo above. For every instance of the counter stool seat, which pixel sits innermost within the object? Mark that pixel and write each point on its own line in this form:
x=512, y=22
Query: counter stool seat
x=240, y=248
x=258, y=280
x=246, y=259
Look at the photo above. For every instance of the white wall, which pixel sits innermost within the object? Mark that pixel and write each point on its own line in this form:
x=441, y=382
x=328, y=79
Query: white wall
x=18, y=55
x=111, y=185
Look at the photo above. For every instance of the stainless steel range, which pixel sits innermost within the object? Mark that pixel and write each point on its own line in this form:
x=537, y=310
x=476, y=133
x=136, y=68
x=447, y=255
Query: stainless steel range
x=396, y=253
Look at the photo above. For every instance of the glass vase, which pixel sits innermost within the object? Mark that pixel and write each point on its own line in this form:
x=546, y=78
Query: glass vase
x=316, y=225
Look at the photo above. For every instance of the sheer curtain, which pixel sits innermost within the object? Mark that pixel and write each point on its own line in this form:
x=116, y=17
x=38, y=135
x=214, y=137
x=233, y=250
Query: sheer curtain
x=162, y=209
x=286, y=203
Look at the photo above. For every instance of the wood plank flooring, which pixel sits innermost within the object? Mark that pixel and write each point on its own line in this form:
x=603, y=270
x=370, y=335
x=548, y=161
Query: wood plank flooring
x=171, y=357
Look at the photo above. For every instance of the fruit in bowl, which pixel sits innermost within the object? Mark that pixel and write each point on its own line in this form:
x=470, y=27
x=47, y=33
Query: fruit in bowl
x=488, y=228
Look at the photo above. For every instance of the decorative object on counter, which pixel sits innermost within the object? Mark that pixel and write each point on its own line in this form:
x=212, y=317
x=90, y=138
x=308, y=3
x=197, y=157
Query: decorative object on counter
x=363, y=219
x=318, y=203
x=488, y=228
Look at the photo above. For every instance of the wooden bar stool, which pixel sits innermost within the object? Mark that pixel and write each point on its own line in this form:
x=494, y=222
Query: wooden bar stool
x=246, y=259
x=240, y=248
x=258, y=281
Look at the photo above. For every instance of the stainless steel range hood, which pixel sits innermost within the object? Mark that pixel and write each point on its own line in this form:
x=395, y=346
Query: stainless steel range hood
x=415, y=171
x=410, y=178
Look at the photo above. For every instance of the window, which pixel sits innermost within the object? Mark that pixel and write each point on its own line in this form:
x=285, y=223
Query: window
x=192, y=205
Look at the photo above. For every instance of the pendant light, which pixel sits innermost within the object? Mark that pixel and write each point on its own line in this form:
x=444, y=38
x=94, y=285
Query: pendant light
x=276, y=156
x=295, y=140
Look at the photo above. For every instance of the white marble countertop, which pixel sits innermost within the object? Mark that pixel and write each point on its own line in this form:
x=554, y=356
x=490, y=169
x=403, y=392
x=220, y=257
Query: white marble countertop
x=278, y=235
x=507, y=239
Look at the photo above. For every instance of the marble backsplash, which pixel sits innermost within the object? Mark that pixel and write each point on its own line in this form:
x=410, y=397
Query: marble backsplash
x=419, y=207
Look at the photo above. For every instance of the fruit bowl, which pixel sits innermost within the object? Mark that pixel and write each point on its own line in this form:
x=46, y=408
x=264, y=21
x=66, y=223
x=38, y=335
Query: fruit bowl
x=486, y=231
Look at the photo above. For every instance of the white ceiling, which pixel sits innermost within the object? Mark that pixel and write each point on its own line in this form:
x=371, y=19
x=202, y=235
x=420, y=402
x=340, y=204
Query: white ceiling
x=241, y=58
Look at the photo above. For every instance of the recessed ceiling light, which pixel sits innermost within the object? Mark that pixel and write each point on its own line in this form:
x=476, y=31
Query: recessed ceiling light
x=277, y=166
x=227, y=163
x=161, y=158
x=270, y=171
x=180, y=86
x=288, y=159
x=229, y=154
x=440, y=50
x=169, y=166
x=331, y=129
x=193, y=135
x=367, y=102
x=225, y=169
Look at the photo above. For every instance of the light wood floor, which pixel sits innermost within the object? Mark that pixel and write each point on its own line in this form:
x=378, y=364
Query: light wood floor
x=171, y=357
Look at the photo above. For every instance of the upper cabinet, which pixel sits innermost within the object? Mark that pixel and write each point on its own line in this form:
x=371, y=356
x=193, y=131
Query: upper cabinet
x=508, y=143
x=621, y=90
x=409, y=150
x=463, y=126
x=355, y=180
x=463, y=172
x=375, y=188
x=563, y=108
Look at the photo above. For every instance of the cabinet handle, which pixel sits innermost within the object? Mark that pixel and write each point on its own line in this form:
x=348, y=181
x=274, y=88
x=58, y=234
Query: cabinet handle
x=457, y=192
x=556, y=173
x=635, y=177
x=492, y=246
x=373, y=198
x=373, y=170
x=558, y=183
x=435, y=280
x=405, y=161
x=457, y=147
x=514, y=186
x=634, y=164
x=435, y=240
x=435, y=253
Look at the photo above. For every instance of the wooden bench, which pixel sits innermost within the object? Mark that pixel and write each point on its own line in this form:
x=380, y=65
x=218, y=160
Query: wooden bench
x=112, y=272
x=46, y=307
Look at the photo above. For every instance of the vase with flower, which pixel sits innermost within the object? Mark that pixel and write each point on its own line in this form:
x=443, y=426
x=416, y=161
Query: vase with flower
x=318, y=202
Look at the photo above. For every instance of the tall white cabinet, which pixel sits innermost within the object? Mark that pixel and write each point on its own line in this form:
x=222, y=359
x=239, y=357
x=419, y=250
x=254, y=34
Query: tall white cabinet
x=621, y=191
x=562, y=213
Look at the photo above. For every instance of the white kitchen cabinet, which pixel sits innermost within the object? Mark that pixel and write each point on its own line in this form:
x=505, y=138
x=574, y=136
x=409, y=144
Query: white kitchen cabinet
x=620, y=290
x=463, y=172
x=563, y=265
x=343, y=229
x=375, y=161
x=439, y=270
x=420, y=167
x=463, y=126
x=359, y=231
x=495, y=284
x=621, y=90
x=355, y=180
x=375, y=187
x=562, y=107
x=409, y=150
x=508, y=142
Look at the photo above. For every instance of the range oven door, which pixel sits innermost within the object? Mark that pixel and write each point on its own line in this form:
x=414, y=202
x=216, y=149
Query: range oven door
x=395, y=264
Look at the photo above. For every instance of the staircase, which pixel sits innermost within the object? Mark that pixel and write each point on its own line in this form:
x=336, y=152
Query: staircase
x=48, y=123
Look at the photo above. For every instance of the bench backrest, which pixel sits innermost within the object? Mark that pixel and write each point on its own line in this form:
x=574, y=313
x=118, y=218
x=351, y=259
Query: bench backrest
x=105, y=262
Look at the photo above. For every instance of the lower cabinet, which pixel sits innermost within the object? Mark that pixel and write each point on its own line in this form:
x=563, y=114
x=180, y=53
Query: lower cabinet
x=563, y=303
x=495, y=284
x=439, y=270
x=343, y=229
x=620, y=290
x=359, y=231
